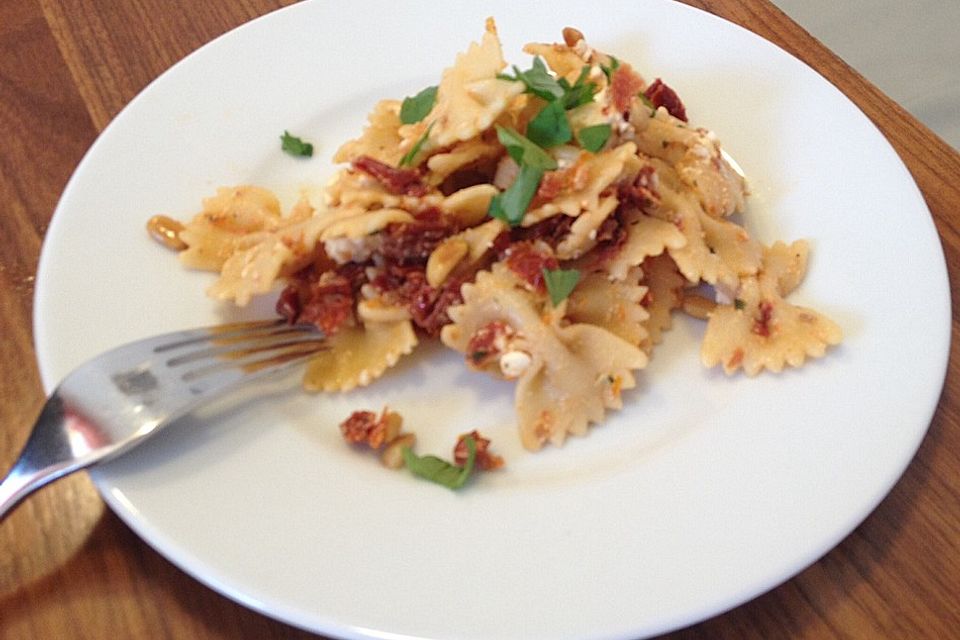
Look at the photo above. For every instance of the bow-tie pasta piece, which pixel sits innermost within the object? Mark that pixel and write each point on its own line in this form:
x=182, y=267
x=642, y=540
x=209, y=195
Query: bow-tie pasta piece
x=470, y=97
x=616, y=306
x=226, y=221
x=761, y=330
x=578, y=188
x=359, y=355
x=665, y=285
x=381, y=138
x=696, y=156
x=567, y=374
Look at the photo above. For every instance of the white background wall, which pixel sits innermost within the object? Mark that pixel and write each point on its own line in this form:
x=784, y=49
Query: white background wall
x=910, y=49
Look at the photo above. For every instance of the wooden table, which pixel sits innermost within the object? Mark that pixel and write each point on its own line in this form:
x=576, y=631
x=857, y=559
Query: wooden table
x=69, y=568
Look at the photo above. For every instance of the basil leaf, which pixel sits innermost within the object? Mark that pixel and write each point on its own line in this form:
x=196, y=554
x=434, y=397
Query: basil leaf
x=295, y=146
x=440, y=471
x=560, y=282
x=512, y=204
x=579, y=94
x=550, y=127
x=538, y=81
x=523, y=151
x=410, y=156
x=415, y=108
x=593, y=138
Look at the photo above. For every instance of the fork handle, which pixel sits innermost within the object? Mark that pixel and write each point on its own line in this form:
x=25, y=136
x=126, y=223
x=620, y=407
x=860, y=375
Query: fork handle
x=46, y=457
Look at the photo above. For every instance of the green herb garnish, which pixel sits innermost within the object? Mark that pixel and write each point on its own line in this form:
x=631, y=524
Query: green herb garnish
x=511, y=205
x=523, y=151
x=415, y=108
x=550, y=127
x=580, y=93
x=538, y=81
x=739, y=304
x=440, y=471
x=560, y=282
x=410, y=156
x=593, y=138
x=295, y=146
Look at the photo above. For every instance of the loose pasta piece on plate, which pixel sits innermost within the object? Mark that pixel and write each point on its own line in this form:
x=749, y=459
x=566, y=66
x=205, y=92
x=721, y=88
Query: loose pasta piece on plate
x=226, y=221
x=359, y=355
x=764, y=331
x=785, y=263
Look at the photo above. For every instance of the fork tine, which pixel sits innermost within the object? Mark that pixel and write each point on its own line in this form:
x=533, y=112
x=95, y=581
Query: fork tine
x=225, y=332
x=257, y=359
x=236, y=348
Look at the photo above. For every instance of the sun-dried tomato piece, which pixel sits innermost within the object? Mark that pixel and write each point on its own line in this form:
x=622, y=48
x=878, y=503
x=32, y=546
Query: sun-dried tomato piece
x=484, y=460
x=528, y=261
x=663, y=96
x=552, y=184
x=641, y=192
x=552, y=230
x=366, y=427
x=327, y=303
x=397, y=181
x=288, y=304
x=429, y=305
x=407, y=285
x=761, y=324
x=488, y=342
x=406, y=243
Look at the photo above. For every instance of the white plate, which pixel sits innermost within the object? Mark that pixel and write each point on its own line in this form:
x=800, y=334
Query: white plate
x=704, y=492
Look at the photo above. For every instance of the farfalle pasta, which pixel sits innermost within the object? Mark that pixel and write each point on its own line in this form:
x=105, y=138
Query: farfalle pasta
x=546, y=223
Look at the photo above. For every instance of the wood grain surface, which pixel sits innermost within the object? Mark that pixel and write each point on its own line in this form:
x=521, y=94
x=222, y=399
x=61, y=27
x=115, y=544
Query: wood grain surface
x=70, y=569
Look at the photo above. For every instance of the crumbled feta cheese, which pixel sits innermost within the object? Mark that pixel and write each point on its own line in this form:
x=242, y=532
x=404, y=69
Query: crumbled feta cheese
x=344, y=250
x=514, y=363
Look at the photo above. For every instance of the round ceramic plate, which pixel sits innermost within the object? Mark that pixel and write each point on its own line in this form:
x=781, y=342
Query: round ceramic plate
x=704, y=491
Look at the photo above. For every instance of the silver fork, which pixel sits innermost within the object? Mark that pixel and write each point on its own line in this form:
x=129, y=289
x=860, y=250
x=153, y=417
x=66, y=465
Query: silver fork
x=118, y=399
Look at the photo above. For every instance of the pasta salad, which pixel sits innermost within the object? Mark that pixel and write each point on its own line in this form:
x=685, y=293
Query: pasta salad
x=546, y=223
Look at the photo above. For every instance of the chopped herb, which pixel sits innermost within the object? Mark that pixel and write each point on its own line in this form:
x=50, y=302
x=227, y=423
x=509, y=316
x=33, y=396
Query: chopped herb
x=581, y=92
x=542, y=84
x=550, y=127
x=560, y=282
x=415, y=108
x=440, y=471
x=645, y=100
x=512, y=204
x=295, y=146
x=608, y=71
x=593, y=138
x=739, y=304
x=408, y=159
x=538, y=81
x=523, y=151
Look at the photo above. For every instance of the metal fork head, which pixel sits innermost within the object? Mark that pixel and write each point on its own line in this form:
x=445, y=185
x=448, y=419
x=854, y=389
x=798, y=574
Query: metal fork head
x=114, y=401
